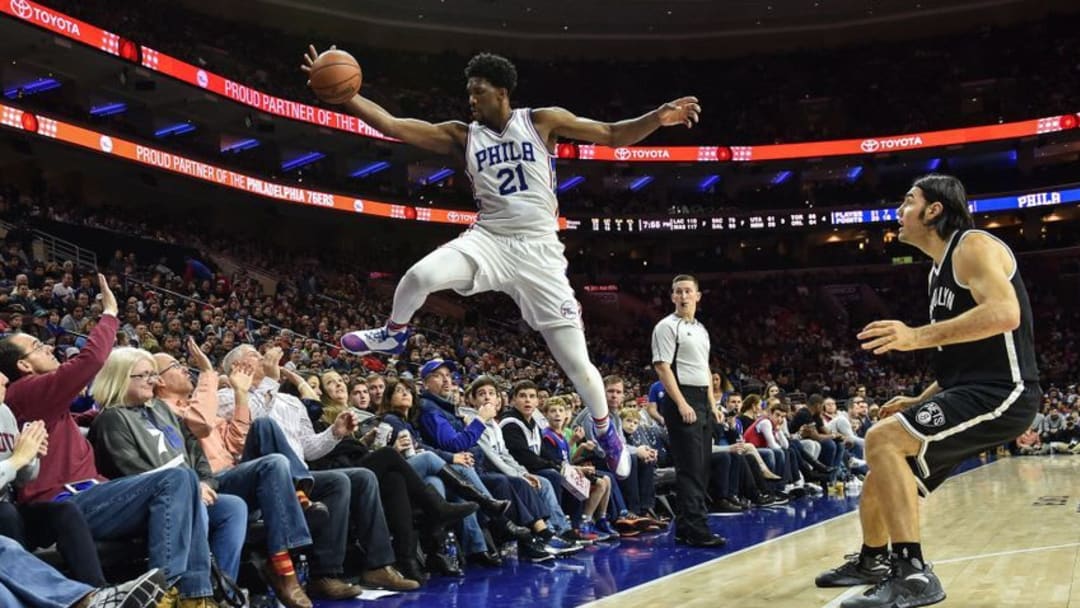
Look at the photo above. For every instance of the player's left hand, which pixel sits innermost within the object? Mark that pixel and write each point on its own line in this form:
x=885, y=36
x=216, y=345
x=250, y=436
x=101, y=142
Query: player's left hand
x=682, y=111
x=883, y=336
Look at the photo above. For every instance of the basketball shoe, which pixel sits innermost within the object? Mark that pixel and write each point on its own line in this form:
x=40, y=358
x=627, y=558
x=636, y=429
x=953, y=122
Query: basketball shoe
x=378, y=340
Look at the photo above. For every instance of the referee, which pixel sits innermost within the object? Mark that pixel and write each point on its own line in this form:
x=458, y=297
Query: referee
x=680, y=354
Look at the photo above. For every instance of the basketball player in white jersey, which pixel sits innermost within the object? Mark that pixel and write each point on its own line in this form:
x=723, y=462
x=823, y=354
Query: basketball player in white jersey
x=512, y=247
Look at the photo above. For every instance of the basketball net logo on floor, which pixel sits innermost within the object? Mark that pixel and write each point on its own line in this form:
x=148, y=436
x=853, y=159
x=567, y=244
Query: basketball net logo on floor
x=1051, y=501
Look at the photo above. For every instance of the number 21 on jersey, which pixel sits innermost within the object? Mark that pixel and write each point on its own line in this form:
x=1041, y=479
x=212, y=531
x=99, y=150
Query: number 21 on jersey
x=508, y=183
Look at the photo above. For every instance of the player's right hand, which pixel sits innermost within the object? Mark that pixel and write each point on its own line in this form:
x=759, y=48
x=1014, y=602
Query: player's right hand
x=309, y=59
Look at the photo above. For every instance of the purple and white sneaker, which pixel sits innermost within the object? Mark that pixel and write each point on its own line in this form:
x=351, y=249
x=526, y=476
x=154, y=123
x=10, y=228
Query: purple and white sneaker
x=617, y=456
x=378, y=340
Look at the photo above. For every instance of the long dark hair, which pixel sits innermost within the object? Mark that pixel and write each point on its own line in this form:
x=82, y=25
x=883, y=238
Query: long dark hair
x=388, y=394
x=948, y=191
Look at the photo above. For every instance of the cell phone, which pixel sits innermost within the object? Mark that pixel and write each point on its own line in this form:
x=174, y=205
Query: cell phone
x=80, y=486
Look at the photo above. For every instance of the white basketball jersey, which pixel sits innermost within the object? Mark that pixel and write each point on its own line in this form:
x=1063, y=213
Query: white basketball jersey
x=513, y=178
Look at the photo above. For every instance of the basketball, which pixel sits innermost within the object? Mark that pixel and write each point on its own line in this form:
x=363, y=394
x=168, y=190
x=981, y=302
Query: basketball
x=335, y=76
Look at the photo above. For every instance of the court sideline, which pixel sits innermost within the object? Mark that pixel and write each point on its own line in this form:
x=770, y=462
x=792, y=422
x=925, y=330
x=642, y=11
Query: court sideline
x=1005, y=534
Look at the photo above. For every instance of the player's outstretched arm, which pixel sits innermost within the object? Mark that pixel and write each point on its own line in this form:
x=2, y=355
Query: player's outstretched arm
x=559, y=122
x=445, y=137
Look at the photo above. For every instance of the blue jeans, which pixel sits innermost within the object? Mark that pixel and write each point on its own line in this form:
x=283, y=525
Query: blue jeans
x=328, y=546
x=639, y=489
x=266, y=484
x=228, y=521
x=555, y=480
x=427, y=465
x=367, y=522
x=27, y=581
x=41, y=524
x=526, y=506
x=265, y=437
x=472, y=535
x=616, y=504
x=557, y=519
x=166, y=507
x=721, y=482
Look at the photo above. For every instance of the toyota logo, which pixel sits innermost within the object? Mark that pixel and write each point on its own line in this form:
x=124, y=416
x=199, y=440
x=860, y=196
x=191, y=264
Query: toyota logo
x=622, y=154
x=202, y=78
x=358, y=205
x=870, y=145
x=106, y=144
x=453, y=216
x=21, y=8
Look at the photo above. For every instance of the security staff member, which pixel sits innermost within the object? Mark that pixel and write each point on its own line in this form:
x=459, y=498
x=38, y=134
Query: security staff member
x=680, y=354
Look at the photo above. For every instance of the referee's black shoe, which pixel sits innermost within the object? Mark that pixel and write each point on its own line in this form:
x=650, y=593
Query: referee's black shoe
x=701, y=540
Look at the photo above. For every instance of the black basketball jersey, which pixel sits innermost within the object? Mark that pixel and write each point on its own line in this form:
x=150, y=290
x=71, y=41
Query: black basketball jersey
x=1005, y=358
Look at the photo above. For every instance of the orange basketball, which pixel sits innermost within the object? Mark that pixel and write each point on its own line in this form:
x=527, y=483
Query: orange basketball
x=335, y=76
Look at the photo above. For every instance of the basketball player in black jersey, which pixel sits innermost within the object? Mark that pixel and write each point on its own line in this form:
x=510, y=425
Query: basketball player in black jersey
x=985, y=394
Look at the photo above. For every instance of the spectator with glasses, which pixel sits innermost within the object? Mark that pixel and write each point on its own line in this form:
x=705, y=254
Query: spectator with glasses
x=164, y=505
x=136, y=433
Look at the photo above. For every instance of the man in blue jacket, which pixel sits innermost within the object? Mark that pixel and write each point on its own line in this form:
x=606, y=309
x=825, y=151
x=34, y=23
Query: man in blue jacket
x=441, y=428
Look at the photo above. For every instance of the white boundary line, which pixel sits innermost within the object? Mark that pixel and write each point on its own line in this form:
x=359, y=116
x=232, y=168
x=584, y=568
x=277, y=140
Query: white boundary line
x=715, y=560
x=850, y=592
x=835, y=603
x=1004, y=553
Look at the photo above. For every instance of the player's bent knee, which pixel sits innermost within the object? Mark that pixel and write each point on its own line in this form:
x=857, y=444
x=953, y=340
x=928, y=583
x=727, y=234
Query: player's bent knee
x=890, y=435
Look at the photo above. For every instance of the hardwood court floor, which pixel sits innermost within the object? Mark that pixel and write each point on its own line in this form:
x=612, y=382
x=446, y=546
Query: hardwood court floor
x=1004, y=534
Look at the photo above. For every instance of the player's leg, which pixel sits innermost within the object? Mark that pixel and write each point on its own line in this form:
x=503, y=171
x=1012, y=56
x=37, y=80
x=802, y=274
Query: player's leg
x=444, y=268
x=888, y=446
x=542, y=291
x=567, y=346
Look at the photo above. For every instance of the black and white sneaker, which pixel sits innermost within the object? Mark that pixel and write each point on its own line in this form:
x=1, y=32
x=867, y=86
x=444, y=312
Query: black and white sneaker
x=906, y=586
x=857, y=570
x=533, y=550
x=143, y=592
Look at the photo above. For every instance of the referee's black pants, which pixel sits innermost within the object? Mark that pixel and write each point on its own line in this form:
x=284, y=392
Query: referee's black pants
x=691, y=448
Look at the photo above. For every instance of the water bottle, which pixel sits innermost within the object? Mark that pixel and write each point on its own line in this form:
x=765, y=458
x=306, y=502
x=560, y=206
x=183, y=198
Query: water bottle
x=854, y=487
x=450, y=551
x=302, y=570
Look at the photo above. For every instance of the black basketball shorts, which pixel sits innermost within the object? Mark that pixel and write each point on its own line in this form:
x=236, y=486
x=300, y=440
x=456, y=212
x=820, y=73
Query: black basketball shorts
x=961, y=421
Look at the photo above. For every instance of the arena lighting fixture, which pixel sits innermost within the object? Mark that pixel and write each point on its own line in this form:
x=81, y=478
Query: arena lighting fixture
x=241, y=145
x=780, y=177
x=570, y=184
x=854, y=173
x=708, y=182
x=38, y=86
x=108, y=109
x=437, y=177
x=370, y=169
x=933, y=164
x=640, y=183
x=302, y=161
x=177, y=129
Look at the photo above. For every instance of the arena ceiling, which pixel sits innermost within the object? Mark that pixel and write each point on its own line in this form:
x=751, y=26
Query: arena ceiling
x=633, y=18
x=584, y=27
